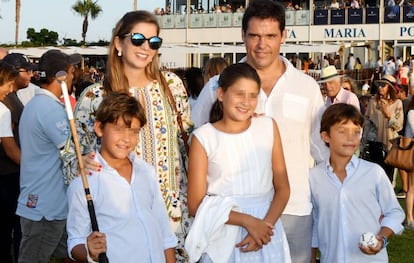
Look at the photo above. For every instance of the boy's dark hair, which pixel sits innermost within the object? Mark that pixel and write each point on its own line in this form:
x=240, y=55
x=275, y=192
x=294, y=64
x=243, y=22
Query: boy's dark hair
x=338, y=113
x=264, y=9
x=227, y=78
x=117, y=105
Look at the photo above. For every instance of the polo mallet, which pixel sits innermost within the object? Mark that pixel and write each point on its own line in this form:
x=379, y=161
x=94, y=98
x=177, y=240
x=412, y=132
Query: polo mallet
x=61, y=77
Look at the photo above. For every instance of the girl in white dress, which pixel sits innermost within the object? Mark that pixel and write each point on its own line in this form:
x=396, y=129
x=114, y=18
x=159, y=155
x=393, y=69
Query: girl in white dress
x=237, y=157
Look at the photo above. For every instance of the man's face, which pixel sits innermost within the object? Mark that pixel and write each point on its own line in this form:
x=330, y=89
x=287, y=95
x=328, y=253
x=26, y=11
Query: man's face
x=23, y=79
x=332, y=87
x=262, y=39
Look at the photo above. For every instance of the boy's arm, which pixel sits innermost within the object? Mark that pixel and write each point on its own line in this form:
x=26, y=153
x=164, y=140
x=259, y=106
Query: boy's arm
x=169, y=255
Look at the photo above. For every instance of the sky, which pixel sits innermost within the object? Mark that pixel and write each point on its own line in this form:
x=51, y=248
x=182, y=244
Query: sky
x=57, y=15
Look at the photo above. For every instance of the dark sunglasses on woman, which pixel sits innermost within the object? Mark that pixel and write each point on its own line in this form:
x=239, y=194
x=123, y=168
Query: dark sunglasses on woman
x=137, y=39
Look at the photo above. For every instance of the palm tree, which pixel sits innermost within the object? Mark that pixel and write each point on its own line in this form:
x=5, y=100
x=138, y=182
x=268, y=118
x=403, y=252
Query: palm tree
x=16, y=36
x=86, y=8
x=18, y=5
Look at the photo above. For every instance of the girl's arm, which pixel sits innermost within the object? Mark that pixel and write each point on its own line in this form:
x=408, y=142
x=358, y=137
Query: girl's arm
x=280, y=179
x=197, y=175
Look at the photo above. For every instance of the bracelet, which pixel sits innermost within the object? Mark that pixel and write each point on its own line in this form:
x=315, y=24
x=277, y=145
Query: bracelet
x=384, y=241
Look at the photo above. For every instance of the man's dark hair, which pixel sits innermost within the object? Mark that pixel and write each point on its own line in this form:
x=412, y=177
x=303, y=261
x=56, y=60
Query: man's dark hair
x=264, y=9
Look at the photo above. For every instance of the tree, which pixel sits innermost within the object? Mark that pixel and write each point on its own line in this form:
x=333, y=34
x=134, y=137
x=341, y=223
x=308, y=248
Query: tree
x=42, y=38
x=18, y=5
x=86, y=8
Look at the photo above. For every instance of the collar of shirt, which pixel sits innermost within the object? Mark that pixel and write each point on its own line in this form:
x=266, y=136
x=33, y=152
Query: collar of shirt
x=350, y=168
x=47, y=93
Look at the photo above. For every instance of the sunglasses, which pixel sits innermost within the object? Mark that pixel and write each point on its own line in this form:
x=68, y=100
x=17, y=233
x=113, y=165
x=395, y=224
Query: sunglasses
x=137, y=39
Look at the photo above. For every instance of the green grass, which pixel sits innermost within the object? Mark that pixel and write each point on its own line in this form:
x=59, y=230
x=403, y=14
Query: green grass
x=400, y=246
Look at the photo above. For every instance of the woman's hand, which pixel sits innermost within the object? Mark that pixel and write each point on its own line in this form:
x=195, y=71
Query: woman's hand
x=90, y=164
x=260, y=233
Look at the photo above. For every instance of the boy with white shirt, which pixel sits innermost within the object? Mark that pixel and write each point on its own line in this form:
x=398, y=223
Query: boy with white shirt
x=133, y=220
x=350, y=196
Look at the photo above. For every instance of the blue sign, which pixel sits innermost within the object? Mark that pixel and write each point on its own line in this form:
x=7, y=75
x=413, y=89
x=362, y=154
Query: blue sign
x=372, y=15
x=320, y=17
x=355, y=16
x=408, y=12
x=392, y=14
x=337, y=16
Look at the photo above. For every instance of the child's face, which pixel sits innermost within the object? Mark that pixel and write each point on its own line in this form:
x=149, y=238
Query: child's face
x=239, y=100
x=343, y=138
x=117, y=141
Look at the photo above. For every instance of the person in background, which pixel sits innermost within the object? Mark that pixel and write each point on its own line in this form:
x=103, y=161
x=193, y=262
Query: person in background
x=385, y=110
x=409, y=199
x=294, y=101
x=365, y=88
x=195, y=82
x=44, y=129
x=348, y=84
x=214, y=66
x=237, y=160
x=9, y=182
x=376, y=75
x=3, y=52
x=134, y=225
x=350, y=196
x=133, y=68
x=334, y=92
x=10, y=164
x=403, y=96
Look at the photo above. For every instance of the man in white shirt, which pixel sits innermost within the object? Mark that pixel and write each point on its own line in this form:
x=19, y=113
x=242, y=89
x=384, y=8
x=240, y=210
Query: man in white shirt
x=294, y=100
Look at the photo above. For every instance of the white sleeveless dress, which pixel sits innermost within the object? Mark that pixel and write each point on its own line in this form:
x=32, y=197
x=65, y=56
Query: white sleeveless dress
x=240, y=166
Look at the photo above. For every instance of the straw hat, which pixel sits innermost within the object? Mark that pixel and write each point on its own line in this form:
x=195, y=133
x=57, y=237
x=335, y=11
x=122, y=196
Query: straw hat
x=329, y=73
x=386, y=79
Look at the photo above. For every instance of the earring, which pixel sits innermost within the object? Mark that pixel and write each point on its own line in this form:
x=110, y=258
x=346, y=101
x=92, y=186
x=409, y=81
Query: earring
x=119, y=53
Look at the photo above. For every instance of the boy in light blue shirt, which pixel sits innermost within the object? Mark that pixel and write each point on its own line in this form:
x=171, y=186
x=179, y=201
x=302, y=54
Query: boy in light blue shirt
x=350, y=196
x=132, y=218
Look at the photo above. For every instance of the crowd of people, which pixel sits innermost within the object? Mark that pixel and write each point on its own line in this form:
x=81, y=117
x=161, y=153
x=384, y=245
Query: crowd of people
x=233, y=163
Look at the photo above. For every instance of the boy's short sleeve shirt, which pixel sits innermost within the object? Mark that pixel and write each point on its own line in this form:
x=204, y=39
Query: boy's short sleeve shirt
x=5, y=122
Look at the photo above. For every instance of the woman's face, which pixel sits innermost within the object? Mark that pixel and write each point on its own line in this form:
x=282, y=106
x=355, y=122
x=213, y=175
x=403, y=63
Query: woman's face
x=137, y=57
x=5, y=89
x=383, y=90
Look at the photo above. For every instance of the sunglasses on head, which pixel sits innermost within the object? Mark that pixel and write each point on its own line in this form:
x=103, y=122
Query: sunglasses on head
x=137, y=39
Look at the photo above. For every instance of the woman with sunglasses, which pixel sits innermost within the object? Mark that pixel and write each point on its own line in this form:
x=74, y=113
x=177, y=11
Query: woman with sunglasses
x=386, y=113
x=132, y=67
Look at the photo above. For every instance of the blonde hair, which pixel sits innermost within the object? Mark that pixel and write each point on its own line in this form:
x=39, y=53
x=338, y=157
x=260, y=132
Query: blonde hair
x=116, y=79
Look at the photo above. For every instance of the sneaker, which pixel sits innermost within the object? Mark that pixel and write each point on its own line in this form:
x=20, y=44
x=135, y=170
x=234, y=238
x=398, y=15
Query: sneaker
x=401, y=195
x=409, y=225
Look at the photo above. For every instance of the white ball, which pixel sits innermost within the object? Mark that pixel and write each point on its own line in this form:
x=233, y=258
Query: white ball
x=368, y=239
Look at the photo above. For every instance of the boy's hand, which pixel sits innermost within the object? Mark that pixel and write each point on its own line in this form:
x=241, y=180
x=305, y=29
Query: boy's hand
x=371, y=250
x=260, y=233
x=96, y=244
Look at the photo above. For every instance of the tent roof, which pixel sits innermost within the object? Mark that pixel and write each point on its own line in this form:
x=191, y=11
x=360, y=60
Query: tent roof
x=36, y=52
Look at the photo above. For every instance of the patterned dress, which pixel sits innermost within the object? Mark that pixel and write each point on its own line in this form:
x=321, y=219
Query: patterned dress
x=160, y=144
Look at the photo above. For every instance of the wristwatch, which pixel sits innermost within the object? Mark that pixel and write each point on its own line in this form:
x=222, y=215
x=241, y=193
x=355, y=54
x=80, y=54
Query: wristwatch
x=384, y=241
